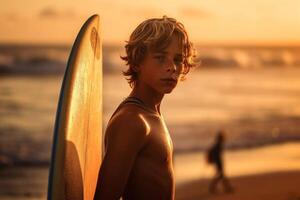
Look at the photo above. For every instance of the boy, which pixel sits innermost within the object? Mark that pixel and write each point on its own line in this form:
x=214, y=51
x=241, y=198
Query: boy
x=138, y=148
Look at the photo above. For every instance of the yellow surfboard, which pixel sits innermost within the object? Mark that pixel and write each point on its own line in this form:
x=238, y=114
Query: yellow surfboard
x=77, y=142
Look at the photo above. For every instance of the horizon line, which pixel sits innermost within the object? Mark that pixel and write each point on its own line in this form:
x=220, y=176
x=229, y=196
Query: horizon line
x=196, y=44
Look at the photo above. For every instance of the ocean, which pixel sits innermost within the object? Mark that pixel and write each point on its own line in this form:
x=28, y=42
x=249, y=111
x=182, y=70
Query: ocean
x=253, y=93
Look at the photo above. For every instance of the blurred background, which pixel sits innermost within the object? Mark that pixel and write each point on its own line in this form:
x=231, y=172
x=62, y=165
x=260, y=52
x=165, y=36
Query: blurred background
x=248, y=85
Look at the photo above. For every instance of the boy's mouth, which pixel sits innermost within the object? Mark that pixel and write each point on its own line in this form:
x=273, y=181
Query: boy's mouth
x=169, y=80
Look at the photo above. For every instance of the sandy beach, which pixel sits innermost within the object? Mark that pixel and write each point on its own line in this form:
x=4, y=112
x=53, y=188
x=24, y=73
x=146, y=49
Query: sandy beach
x=267, y=186
x=263, y=173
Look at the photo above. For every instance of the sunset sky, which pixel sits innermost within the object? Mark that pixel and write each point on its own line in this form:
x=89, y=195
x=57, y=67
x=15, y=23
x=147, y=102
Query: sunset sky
x=208, y=22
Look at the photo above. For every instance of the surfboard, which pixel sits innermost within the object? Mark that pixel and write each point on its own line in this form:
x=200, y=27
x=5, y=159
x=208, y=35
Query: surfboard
x=77, y=141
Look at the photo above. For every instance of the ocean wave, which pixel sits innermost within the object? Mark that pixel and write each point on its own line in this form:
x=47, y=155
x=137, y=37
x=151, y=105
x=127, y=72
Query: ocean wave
x=53, y=59
x=258, y=57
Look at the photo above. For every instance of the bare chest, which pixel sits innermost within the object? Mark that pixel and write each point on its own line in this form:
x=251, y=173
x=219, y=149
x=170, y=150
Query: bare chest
x=159, y=145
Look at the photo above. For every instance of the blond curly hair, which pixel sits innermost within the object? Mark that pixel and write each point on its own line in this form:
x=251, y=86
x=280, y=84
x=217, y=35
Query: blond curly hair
x=156, y=34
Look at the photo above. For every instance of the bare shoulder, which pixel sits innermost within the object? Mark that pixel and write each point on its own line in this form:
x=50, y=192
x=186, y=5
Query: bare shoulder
x=129, y=125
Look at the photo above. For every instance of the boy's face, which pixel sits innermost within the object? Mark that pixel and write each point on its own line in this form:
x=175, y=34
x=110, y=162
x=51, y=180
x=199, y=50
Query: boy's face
x=161, y=70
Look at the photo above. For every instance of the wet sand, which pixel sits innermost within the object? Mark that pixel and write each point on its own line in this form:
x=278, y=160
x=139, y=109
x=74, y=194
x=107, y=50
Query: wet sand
x=269, y=186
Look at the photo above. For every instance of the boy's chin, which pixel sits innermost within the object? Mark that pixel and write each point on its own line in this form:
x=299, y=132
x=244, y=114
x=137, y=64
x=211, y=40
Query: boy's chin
x=165, y=90
x=168, y=91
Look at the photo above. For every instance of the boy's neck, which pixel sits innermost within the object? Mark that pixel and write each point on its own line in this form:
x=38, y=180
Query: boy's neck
x=150, y=98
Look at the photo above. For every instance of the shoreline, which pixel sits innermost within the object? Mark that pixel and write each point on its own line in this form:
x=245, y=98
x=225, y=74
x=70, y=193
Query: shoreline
x=7, y=162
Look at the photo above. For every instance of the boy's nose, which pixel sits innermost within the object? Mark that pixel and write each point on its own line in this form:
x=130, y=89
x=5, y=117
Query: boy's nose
x=171, y=67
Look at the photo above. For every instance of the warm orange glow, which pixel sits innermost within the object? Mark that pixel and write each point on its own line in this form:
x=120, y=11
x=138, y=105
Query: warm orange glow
x=210, y=22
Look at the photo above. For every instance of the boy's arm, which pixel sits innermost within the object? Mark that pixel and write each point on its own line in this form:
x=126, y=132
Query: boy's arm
x=125, y=135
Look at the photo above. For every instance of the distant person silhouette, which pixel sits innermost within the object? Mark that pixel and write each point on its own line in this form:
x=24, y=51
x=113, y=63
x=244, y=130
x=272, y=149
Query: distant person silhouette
x=214, y=157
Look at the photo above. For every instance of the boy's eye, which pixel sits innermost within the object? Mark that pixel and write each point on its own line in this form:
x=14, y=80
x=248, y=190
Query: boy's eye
x=161, y=59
